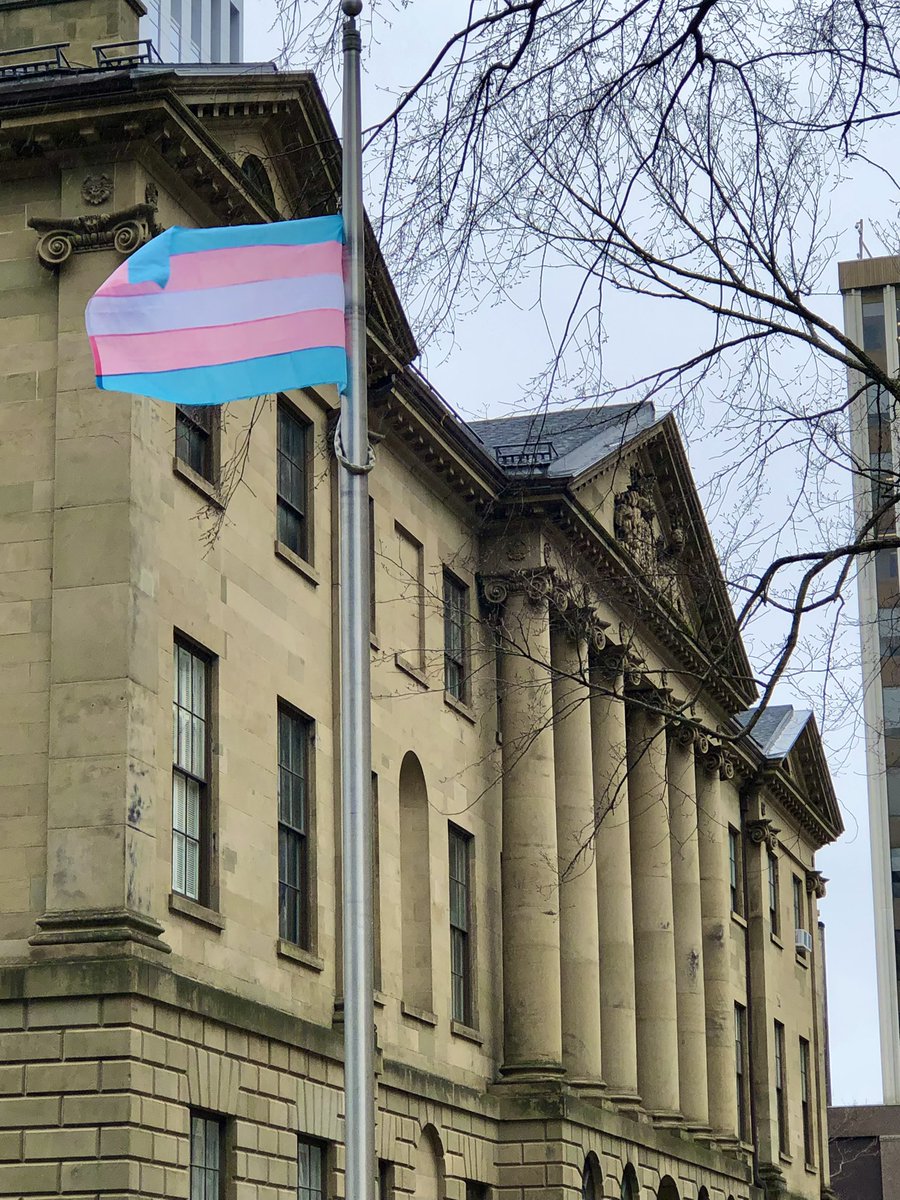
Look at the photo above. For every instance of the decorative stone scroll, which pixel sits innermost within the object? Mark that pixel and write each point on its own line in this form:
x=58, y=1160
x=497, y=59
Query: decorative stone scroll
x=762, y=832
x=124, y=231
x=816, y=884
x=687, y=733
x=538, y=584
x=716, y=761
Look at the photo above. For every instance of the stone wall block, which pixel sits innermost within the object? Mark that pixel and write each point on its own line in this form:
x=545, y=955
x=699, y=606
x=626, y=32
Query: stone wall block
x=212, y=1081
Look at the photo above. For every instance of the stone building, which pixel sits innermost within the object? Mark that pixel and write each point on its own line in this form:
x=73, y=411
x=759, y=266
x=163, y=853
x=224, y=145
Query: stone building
x=596, y=882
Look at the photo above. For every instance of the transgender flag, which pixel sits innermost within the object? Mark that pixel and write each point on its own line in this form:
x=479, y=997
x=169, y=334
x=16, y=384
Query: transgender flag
x=201, y=316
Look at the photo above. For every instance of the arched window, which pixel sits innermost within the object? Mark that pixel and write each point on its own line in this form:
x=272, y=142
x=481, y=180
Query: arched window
x=415, y=885
x=667, y=1189
x=630, y=1189
x=591, y=1179
x=256, y=173
x=429, y=1165
x=703, y=1194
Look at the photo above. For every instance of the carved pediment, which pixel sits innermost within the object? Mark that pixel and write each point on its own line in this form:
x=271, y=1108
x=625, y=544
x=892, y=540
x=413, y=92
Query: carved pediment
x=657, y=549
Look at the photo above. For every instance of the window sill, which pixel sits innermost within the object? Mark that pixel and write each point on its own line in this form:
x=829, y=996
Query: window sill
x=458, y=1029
x=810, y=1168
x=207, y=490
x=378, y=999
x=293, y=559
x=776, y=940
x=407, y=668
x=196, y=912
x=785, y=1158
x=739, y=920
x=298, y=955
x=459, y=706
x=422, y=1015
x=802, y=961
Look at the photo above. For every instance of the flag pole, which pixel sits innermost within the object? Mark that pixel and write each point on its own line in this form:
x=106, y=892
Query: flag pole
x=355, y=585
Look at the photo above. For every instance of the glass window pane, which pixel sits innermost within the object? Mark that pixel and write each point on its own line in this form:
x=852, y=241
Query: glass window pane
x=192, y=870
x=212, y=1145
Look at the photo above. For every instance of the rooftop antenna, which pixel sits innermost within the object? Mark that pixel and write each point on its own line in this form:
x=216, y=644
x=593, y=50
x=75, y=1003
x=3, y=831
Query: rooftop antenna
x=864, y=251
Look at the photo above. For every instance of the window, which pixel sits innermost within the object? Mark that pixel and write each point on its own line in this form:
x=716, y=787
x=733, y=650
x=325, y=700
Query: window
x=406, y=601
x=476, y=1191
x=895, y=873
x=206, y=1158
x=805, y=1101
x=310, y=1169
x=196, y=429
x=629, y=1189
x=293, y=827
x=736, y=872
x=376, y=885
x=740, y=1068
x=293, y=481
x=371, y=565
x=591, y=1180
x=190, y=772
x=797, y=886
x=780, y=1089
x=774, y=896
x=456, y=609
x=256, y=174
x=385, y=1179
x=460, y=922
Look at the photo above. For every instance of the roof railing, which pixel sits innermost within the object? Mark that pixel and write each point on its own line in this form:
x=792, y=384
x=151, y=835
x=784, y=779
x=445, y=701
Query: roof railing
x=131, y=54
x=522, y=456
x=52, y=59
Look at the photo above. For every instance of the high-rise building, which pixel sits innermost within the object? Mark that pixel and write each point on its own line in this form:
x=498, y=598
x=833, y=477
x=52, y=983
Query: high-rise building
x=195, y=31
x=871, y=292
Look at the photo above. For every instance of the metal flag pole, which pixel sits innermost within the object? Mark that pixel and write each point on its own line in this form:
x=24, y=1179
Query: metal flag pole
x=355, y=585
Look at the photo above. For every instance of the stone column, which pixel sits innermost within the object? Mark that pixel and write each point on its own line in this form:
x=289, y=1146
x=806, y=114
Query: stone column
x=578, y=936
x=715, y=899
x=531, y=963
x=688, y=928
x=654, y=938
x=102, y=859
x=759, y=838
x=613, y=861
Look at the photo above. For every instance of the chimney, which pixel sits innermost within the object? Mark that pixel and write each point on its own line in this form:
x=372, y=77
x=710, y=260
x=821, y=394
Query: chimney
x=27, y=24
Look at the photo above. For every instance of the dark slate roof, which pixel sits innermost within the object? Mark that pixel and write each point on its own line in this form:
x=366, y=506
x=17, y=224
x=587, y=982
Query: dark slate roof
x=777, y=729
x=564, y=442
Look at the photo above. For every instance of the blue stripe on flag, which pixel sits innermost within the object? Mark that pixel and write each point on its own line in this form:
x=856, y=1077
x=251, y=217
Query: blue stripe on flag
x=237, y=381
x=150, y=263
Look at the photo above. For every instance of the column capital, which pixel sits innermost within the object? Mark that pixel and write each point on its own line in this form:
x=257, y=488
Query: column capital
x=716, y=761
x=687, y=733
x=762, y=832
x=816, y=884
x=536, y=584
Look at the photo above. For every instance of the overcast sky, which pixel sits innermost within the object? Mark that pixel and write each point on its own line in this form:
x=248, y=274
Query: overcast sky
x=484, y=366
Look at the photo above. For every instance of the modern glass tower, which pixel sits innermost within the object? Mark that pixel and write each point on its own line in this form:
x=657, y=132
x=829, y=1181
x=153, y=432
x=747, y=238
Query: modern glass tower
x=871, y=292
x=193, y=31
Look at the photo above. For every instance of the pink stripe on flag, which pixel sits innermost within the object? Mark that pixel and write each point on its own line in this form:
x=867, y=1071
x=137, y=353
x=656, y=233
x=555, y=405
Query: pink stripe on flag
x=222, y=268
x=172, y=350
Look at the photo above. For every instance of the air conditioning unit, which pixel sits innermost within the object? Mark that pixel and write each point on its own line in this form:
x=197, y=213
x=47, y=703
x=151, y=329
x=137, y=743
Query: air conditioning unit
x=803, y=940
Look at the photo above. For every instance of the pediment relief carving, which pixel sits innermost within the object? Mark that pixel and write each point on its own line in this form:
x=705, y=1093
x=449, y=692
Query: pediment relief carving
x=657, y=551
